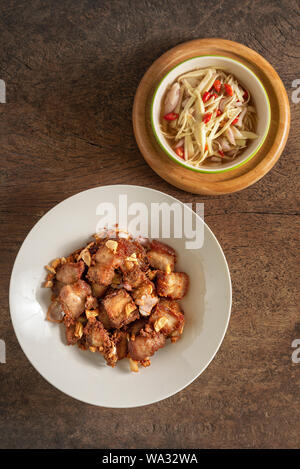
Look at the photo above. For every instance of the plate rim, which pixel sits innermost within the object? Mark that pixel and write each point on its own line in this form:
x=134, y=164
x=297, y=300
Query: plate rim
x=19, y=339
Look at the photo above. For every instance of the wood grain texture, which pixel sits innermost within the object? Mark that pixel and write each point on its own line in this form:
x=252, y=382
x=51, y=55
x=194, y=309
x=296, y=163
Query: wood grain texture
x=230, y=181
x=71, y=71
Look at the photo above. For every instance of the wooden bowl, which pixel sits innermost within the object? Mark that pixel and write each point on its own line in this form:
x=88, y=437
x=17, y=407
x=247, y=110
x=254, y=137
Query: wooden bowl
x=212, y=183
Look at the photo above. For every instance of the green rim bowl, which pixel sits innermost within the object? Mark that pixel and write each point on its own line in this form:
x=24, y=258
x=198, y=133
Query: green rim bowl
x=247, y=79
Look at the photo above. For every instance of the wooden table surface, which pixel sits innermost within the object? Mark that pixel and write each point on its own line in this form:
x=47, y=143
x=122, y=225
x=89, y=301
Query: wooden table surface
x=71, y=69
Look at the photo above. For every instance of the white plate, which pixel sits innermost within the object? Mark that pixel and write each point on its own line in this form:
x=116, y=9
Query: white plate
x=83, y=375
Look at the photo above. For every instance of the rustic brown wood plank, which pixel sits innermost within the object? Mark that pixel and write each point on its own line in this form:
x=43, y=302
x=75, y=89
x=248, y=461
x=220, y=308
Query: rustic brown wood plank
x=71, y=70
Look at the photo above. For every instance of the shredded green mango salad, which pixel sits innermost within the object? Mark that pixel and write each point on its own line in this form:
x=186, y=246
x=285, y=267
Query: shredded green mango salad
x=208, y=116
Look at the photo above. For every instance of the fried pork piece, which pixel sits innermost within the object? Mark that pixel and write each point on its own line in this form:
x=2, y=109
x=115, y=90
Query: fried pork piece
x=72, y=298
x=70, y=272
x=134, y=255
x=57, y=286
x=133, y=278
x=103, y=317
x=120, y=308
x=100, y=274
x=134, y=266
x=55, y=312
x=145, y=344
x=174, y=285
x=145, y=297
x=141, y=256
x=161, y=256
x=120, y=340
x=98, y=290
x=108, y=258
x=98, y=338
x=73, y=334
x=167, y=318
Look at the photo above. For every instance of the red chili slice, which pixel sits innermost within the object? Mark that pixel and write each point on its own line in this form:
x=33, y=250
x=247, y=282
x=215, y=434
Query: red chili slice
x=217, y=85
x=219, y=112
x=228, y=89
x=180, y=152
x=207, y=117
x=206, y=96
x=172, y=116
x=221, y=152
x=245, y=95
x=235, y=121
